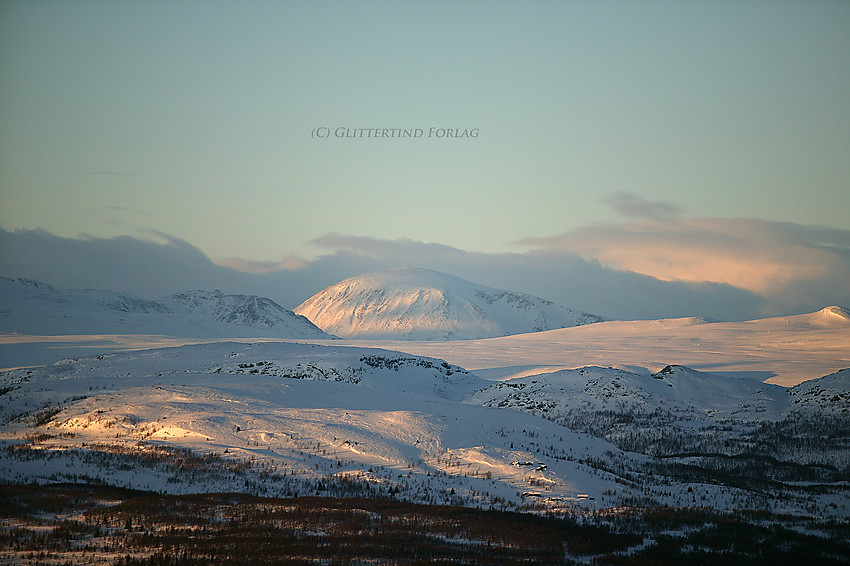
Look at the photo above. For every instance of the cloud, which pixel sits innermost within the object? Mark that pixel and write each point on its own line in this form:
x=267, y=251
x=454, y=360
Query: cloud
x=723, y=269
x=631, y=205
x=790, y=265
x=154, y=267
x=117, y=213
x=560, y=276
x=111, y=209
x=377, y=248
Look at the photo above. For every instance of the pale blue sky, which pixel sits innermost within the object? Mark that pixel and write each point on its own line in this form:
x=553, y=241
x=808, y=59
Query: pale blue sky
x=194, y=119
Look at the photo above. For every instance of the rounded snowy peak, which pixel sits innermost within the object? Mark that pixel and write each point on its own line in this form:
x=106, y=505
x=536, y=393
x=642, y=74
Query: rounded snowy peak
x=421, y=304
x=407, y=278
x=835, y=313
x=827, y=317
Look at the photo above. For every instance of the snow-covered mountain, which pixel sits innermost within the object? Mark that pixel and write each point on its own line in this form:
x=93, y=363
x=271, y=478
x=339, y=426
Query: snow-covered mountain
x=33, y=307
x=420, y=304
x=827, y=317
x=249, y=311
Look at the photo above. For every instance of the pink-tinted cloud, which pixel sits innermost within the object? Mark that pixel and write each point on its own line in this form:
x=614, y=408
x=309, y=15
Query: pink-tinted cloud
x=780, y=261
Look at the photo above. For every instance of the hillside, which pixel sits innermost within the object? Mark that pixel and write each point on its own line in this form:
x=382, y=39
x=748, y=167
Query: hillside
x=783, y=350
x=289, y=418
x=352, y=420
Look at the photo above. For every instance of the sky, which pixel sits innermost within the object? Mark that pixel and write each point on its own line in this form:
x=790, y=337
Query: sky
x=636, y=159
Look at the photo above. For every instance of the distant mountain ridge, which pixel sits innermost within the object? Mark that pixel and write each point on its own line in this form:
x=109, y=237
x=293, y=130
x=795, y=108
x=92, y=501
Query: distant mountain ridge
x=677, y=391
x=420, y=304
x=244, y=310
x=34, y=307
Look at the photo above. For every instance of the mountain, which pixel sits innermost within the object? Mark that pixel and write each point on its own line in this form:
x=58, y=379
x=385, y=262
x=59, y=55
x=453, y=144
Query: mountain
x=420, y=304
x=828, y=317
x=33, y=307
x=247, y=311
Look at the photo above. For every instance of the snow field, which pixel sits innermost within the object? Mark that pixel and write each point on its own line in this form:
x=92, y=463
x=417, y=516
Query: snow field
x=279, y=418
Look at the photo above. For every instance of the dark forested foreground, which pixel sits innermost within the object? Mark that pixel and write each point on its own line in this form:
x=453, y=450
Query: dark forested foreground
x=74, y=524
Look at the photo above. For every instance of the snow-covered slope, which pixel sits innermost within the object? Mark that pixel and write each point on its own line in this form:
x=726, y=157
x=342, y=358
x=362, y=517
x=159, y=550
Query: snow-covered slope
x=675, y=391
x=693, y=418
x=782, y=350
x=419, y=304
x=299, y=413
x=32, y=307
x=827, y=317
x=829, y=393
x=291, y=418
